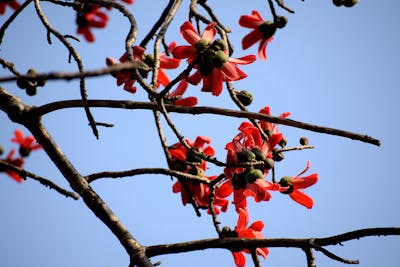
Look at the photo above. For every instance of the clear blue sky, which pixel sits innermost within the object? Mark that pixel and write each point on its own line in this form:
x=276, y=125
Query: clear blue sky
x=332, y=66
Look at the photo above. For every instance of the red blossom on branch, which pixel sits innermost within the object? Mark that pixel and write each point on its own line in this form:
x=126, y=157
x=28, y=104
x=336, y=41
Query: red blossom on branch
x=176, y=95
x=17, y=162
x=27, y=144
x=213, y=64
x=253, y=231
x=128, y=77
x=13, y=4
x=262, y=32
x=91, y=16
x=294, y=185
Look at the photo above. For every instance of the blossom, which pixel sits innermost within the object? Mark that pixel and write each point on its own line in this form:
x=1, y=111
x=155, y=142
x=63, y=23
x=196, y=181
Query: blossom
x=12, y=3
x=200, y=194
x=253, y=231
x=212, y=62
x=248, y=146
x=184, y=160
x=294, y=185
x=263, y=31
x=91, y=16
x=176, y=96
x=128, y=77
x=17, y=162
x=27, y=144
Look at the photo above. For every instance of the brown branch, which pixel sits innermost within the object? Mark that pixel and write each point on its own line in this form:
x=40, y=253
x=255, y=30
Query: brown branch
x=46, y=182
x=22, y=114
x=185, y=176
x=236, y=244
x=42, y=110
x=77, y=75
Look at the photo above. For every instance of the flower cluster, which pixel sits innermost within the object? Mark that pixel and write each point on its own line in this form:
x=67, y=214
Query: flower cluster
x=186, y=161
x=212, y=62
x=251, y=155
x=26, y=145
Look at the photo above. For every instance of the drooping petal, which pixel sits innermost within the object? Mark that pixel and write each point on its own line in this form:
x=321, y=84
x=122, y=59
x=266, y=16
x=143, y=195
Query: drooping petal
x=262, y=49
x=257, y=226
x=195, y=78
x=251, y=38
x=243, y=60
x=301, y=198
x=243, y=219
x=180, y=89
x=239, y=258
x=169, y=63
x=162, y=78
x=184, y=51
x=190, y=101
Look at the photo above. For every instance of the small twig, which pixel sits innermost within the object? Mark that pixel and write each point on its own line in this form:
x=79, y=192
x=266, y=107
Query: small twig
x=285, y=149
x=47, y=183
x=310, y=257
x=283, y=6
x=78, y=75
x=121, y=174
x=255, y=258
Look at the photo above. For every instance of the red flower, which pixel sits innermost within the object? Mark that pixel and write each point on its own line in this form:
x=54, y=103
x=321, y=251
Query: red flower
x=128, y=78
x=17, y=162
x=248, y=146
x=128, y=1
x=214, y=66
x=263, y=31
x=180, y=156
x=177, y=98
x=200, y=193
x=293, y=185
x=27, y=144
x=253, y=231
x=12, y=3
x=91, y=16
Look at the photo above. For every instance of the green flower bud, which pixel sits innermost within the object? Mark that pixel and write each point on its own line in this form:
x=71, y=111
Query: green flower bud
x=349, y=3
x=246, y=155
x=283, y=142
x=22, y=83
x=269, y=163
x=220, y=58
x=31, y=72
x=253, y=175
x=238, y=181
x=219, y=44
x=41, y=83
x=286, y=181
x=303, y=141
x=1, y=150
x=258, y=153
x=278, y=156
x=24, y=152
x=337, y=2
x=245, y=97
x=31, y=90
x=280, y=21
x=201, y=46
x=268, y=29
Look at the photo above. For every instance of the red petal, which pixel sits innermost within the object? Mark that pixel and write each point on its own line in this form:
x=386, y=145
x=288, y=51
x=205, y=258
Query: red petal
x=189, y=33
x=239, y=258
x=251, y=38
x=301, y=198
x=251, y=21
x=304, y=182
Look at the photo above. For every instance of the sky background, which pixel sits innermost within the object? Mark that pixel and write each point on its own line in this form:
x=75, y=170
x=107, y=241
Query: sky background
x=336, y=67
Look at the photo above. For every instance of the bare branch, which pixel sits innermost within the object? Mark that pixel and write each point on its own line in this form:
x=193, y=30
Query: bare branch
x=207, y=110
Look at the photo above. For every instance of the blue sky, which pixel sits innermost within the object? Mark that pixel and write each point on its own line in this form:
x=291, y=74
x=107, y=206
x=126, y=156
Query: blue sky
x=331, y=66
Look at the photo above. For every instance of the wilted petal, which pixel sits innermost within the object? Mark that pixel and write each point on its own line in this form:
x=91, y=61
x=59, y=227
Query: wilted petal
x=301, y=198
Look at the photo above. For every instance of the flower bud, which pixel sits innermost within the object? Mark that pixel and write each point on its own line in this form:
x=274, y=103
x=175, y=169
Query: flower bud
x=278, y=156
x=238, y=181
x=349, y=3
x=24, y=152
x=246, y=155
x=258, y=153
x=253, y=175
x=245, y=97
x=337, y=2
x=268, y=163
x=268, y=29
x=22, y=83
x=283, y=142
x=303, y=141
x=31, y=90
x=1, y=150
x=286, y=181
x=280, y=21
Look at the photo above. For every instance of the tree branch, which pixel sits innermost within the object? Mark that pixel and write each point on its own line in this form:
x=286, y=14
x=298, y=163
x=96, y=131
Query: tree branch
x=42, y=110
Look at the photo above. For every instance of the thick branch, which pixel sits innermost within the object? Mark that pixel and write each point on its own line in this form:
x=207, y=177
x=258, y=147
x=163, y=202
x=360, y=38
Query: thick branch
x=207, y=110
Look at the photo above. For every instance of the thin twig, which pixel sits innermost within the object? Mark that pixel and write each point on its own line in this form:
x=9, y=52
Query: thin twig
x=46, y=182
